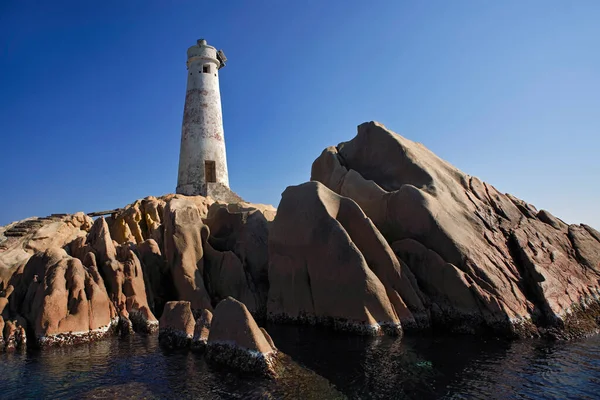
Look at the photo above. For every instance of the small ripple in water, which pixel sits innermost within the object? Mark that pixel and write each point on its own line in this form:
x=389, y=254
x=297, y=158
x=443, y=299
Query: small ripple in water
x=319, y=365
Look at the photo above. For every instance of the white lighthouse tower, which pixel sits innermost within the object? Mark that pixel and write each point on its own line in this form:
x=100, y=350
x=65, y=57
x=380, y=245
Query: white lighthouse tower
x=202, y=159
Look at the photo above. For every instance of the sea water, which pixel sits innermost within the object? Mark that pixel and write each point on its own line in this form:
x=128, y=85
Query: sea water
x=319, y=365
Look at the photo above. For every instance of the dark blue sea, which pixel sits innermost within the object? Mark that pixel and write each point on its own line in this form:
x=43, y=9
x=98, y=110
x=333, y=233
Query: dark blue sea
x=318, y=365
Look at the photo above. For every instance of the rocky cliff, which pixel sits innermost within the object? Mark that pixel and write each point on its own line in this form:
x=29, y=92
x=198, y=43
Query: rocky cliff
x=479, y=259
x=69, y=279
x=386, y=238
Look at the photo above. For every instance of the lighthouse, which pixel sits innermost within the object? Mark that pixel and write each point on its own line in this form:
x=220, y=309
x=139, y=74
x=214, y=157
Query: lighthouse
x=202, y=158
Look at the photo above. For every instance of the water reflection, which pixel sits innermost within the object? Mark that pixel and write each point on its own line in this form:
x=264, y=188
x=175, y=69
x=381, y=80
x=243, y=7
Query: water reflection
x=446, y=367
x=535, y=369
x=360, y=367
x=319, y=364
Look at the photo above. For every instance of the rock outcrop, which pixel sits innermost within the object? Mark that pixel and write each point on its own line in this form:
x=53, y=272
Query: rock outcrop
x=20, y=240
x=61, y=299
x=236, y=340
x=201, y=274
x=12, y=332
x=386, y=236
x=123, y=276
x=325, y=259
x=242, y=229
x=142, y=220
x=231, y=337
x=71, y=279
x=184, y=234
x=201, y=330
x=483, y=260
x=13, y=336
x=225, y=276
x=176, y=324
x=157, y=276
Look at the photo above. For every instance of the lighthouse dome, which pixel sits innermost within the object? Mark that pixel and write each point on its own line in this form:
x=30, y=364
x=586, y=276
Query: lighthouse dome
x=202, y=50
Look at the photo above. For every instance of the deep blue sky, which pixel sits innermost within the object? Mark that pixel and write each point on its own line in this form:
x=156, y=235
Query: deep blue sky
x=91, y=94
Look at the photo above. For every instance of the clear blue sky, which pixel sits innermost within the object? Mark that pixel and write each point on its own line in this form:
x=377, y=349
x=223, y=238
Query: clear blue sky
x=91, y=94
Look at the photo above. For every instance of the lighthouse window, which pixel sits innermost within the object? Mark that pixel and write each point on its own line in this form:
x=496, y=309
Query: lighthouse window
x=210, y=171
x=206, y=69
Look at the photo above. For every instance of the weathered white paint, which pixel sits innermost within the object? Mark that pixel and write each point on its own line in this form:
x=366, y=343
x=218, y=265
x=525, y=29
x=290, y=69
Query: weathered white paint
x=202, y=137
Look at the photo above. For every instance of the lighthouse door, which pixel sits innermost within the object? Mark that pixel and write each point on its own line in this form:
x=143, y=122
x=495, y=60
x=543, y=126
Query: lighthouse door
x=210, y=171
